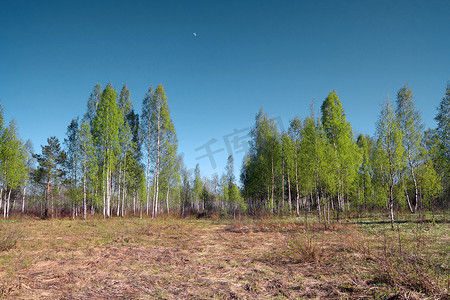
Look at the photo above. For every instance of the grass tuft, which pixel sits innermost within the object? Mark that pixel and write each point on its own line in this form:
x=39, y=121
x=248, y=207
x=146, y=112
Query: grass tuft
x=302, y=249
x=8, y=237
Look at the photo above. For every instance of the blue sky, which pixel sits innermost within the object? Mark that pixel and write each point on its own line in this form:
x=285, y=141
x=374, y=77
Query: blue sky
x=246, y=54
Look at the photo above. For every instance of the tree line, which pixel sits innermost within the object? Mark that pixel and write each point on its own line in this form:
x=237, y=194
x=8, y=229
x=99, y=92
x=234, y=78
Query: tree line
x=318, y=164
x=114, y=161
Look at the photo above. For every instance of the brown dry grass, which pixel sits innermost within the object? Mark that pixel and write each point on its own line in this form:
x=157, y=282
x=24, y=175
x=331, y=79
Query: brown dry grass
x=204, y=259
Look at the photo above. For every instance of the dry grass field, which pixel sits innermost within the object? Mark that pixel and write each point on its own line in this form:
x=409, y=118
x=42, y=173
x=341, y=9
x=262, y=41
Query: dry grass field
x=170, y=258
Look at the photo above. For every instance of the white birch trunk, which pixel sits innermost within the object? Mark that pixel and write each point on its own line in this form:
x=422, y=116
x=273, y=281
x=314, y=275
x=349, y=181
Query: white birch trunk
x=7, y=206
x=23, y=199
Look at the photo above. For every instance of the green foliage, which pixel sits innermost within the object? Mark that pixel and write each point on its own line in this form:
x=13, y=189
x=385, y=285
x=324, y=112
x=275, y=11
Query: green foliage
x=160, y=139
x=392, y=159
x=443, y=134
x=13, y=158
x=365, y=171
x=347, y=157
x=443, y=120
x=262, y=164
x=106, y=124
x=72, y=162
x=51, y=167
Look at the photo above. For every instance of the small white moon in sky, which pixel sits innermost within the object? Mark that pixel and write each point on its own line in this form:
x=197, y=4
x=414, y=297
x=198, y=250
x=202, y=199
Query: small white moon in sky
x=195, y=34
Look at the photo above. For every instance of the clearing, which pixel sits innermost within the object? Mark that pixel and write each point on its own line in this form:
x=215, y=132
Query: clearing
x=172, y=258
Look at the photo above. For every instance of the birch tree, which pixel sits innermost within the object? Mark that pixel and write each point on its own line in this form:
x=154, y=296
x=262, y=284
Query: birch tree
x=443, y=132
x=391, y=141
x=13, y=162
x=30, y=165
x=107, y=122
x=346, y=154
x=295, y=134
x=72, y=146
x=88, y=163
x=159, y=137
x=412, y=130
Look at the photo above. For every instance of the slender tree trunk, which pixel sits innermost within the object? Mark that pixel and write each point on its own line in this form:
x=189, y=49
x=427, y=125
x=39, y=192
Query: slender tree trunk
x=318, y=203
x=124, y=200
x=7, y=206
x=84, y=192
x=4, y=206
x=339, y=206
x=329, y=203
x=140, y=208
x=134, y=203
x=158, y=149
x=148, y=181
x=391, y=203
x=104, y=193
x=306, y=211
x=273, y=187
x=46, y=199
x=296, y=184
x=118, y=196
x=407, y=197
x=23, y=199
x=167, y=198
x=154, y=196
x=108, y=193
x=124, y=187
x=289, y=192
x=416, y=189
x=282, y=192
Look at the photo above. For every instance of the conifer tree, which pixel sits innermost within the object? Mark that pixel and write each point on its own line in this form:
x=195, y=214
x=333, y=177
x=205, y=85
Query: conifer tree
x=51, y=163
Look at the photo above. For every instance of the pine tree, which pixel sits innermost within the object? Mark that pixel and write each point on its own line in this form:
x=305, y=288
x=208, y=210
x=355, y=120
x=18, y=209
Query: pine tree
x=51, y=163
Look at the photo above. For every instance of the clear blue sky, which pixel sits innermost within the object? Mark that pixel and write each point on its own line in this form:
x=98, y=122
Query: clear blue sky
x=246, y=54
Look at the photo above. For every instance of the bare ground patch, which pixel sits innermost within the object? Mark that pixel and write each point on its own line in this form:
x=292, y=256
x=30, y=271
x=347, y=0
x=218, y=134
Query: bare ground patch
x=203, y=259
